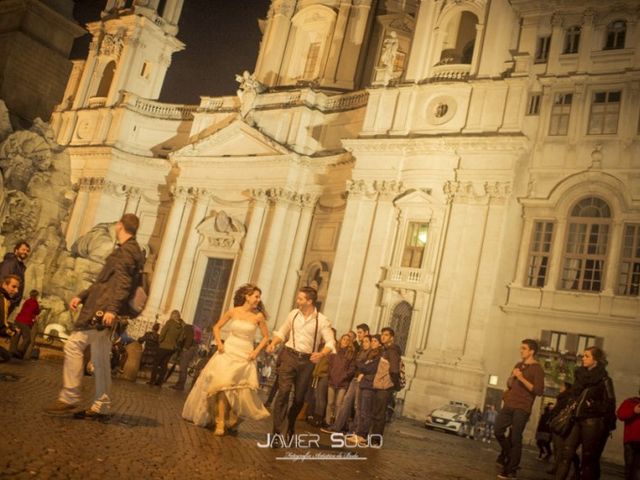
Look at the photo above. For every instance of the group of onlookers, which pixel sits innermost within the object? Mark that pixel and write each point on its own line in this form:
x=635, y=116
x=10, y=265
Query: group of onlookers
x=353, y=388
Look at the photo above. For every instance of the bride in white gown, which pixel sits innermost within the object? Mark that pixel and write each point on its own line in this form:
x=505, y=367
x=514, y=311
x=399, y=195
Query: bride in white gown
x=227, y=387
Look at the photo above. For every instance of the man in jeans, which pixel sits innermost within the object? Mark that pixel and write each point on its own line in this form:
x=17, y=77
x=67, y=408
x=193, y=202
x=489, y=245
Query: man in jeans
x=524, y=384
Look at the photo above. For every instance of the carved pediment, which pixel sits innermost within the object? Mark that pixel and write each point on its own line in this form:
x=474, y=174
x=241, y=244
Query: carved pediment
x=221, y=231
x=235, y=140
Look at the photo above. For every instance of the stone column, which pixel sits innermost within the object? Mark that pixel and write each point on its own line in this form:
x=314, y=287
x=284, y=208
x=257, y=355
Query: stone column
x=185, y=266
x=378, y=250
x=247, y=259
x=337, y=42
x=276, y=235
x=167, y=247
x=557, y=44
x=293, y=265
x=274, y=42
x=177, y=256
x=95, y=186
x=350, y=256
x=612, y=262
x=584, y=52
x=422, y=40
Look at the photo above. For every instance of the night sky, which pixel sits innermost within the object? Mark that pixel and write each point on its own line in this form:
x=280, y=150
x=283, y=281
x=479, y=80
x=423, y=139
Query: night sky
x=221, y=36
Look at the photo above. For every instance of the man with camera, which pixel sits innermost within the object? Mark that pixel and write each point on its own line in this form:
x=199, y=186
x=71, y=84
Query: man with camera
x=8, y=291
x=102, y=302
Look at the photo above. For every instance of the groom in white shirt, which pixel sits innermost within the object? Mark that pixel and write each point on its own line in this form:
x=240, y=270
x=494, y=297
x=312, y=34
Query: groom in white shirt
x=303, y=330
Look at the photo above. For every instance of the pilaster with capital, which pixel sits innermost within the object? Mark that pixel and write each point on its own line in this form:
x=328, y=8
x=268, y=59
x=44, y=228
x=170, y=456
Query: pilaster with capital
x=277, y=243
x=351, y=257
x=306, y=207
x=274, y=41
x=246, y=262
x=166, y=252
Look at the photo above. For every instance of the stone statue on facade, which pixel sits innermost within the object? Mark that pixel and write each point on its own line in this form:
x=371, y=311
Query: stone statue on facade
x=248, y=90
x=386, y=70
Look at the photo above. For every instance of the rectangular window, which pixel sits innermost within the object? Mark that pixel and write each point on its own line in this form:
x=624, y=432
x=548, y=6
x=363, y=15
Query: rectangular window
x=415, y=245
x=534, y=104
x=146, y=69
x=560, y=113
x=542, y=49
x=310, y=65
x=629, y=277
x=539, y=254
x=585, y=253
x=558, y=341
x=605, y=108
x=571, y=40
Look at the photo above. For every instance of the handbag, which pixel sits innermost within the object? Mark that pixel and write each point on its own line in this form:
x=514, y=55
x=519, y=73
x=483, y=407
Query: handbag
x=382, y=379
x=562, y=423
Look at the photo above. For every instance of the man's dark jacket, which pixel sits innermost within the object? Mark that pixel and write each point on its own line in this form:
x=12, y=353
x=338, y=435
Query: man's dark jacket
x=114, y=284
x=11, y=265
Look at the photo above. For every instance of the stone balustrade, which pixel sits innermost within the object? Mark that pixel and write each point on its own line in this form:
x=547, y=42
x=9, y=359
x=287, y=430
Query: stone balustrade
x=453, y=71
x=166, y=111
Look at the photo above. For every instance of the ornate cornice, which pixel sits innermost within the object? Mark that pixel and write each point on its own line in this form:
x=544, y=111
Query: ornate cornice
x=469, y=192
x=280, y=194
x=375, y=188
x=438, y=145
x=91, y=184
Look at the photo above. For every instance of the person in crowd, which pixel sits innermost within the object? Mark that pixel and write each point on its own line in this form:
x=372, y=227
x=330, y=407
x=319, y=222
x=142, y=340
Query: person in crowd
x=362, y=330
x=595, y=416
x=303, y=327
x=341, y=370
x=8, y=290
x=474, y=418
x=274, y=388
x=189, y=350
x=367, y=368
x=320, y=384
x=391, y=353
x=25, y=320
x=629, y=413
x=563, y=398
x=489, y=419
x=230, y=378
x=101, y=303
x=151, y=341
x=171, y=337
x=543, y=434
x=13, y=264
x=525, y=383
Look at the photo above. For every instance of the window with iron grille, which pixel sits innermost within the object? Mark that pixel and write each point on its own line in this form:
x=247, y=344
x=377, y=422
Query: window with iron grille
x=616, y=33
x=539, y=254
x=629, y=276
x=605, y=109
x=572, y=39
x=586, y=245
x=415, y=245
x=560, y=113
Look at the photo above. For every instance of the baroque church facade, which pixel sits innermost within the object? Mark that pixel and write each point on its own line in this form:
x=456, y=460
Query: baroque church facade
x=464, y=171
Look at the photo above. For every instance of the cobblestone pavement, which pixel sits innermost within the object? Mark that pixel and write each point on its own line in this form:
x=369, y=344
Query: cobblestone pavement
x=146, y=439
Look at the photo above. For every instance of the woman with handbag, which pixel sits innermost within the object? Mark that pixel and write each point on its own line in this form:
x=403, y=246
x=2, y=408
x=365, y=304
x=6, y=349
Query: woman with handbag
x=562, y=400
x=594, y=416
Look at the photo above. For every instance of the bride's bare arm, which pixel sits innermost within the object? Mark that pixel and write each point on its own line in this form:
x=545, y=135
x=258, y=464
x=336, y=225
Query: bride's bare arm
x=265, y=337
x=218, y=326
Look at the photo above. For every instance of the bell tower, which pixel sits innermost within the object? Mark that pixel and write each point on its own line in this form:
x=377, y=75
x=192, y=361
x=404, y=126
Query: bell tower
x=131, y=50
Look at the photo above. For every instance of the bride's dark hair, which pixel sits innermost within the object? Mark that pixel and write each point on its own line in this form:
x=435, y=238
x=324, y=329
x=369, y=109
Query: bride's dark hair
x=239, y=297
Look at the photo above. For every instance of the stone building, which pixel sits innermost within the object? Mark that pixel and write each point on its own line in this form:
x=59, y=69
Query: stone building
x=36, y=37
x=465, y=171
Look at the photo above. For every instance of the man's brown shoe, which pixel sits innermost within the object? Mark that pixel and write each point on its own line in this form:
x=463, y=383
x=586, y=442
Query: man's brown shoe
x=60, y=408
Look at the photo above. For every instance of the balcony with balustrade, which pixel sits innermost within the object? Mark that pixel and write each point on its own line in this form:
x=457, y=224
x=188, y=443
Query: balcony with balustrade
x=407, y=277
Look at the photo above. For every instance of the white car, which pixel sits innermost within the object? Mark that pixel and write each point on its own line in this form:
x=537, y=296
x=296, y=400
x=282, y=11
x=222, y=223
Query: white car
x=451, y=417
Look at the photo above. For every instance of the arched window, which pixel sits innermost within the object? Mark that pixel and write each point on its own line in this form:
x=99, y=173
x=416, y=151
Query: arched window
x=616, y=33
x=400, y=323
x=107, y=78
x=572, y=39
x=586, y=245
x=459, y=43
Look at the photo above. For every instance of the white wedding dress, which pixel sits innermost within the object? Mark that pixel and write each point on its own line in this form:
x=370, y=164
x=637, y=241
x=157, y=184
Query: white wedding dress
x=230, y=372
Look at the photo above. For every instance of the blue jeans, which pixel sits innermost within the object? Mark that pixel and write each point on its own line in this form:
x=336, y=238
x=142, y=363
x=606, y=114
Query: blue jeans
x=344, y=412
x=365, y=416
x=512, y=445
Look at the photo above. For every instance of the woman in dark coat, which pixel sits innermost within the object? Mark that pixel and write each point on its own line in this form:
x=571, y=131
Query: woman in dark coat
x=595, y=416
